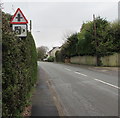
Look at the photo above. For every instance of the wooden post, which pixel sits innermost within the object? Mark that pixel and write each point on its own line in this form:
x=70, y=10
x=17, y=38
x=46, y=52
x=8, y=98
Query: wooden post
x=30, y=25
x=119, y=12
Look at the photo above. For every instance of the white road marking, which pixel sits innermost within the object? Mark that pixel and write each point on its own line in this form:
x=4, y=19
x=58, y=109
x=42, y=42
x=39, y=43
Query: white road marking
x=107, y=83
x=95, y=79
x=67, y=69
x=80, y=73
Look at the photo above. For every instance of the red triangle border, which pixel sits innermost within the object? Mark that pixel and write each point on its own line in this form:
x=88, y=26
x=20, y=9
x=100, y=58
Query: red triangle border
x=18, y=22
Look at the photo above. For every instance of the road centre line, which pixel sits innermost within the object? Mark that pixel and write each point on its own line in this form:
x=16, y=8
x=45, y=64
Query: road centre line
x=107, y=83
x=100, y=81
x=76, y=72
x=67, y=69
x=80, y=73
x=95, y=79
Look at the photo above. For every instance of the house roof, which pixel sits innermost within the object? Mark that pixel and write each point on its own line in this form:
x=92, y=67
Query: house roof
x=53, y=49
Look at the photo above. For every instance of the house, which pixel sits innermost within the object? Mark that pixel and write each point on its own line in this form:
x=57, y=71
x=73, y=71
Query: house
x=53, y=51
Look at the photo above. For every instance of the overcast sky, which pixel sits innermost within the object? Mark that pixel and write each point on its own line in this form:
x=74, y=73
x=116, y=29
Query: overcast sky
x=52, y=21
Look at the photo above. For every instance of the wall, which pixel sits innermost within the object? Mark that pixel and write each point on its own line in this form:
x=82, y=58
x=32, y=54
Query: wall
x=111, y=60
x=89, y=60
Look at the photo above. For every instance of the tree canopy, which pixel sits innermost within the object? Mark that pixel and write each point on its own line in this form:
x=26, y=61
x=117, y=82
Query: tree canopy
x=96, y=38
x=41, y=52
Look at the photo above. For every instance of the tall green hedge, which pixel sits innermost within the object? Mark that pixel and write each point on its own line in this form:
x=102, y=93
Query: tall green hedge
x=19, y=68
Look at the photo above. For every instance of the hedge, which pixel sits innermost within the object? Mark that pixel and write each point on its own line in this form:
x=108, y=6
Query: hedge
x=51, y=59
x=19, y=68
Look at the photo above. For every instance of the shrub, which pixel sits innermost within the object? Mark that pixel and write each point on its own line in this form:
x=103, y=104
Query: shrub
x=51, y=59
x=19, y=68
x=58, y=56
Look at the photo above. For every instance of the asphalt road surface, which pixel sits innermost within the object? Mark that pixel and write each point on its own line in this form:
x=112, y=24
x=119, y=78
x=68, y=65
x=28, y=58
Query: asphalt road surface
x=83, y=91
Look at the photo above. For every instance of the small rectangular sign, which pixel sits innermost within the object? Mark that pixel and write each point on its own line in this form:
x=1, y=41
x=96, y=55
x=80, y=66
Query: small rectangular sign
x=20, y=29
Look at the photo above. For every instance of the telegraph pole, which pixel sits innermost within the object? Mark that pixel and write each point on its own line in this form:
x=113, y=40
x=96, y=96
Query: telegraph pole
x=94, y=22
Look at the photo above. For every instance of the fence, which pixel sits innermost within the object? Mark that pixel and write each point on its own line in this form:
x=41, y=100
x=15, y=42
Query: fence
x=88, y=60
x=111, y=60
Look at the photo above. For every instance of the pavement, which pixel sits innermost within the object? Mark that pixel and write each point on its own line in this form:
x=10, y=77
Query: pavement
x=42, y=100
x=82, y=90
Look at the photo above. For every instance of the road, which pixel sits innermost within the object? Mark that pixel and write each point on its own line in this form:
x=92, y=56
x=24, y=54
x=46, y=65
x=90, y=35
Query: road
x=83, y=91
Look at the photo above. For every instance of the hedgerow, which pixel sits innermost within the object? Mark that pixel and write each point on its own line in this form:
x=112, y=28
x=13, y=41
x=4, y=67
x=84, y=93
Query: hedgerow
x=19, y=70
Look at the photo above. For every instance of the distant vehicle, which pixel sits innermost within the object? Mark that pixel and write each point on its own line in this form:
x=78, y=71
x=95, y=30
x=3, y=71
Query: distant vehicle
x=45, y=59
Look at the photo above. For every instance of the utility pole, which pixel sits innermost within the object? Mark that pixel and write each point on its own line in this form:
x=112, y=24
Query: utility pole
x=94, y=22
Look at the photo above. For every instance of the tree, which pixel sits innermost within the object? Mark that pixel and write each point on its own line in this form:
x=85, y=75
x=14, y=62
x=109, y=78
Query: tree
x=102, y=37
x=114, y=36
x=96, y=38
x=69, y=47
x=85, y=37
x=98, y=45
x=41, y=51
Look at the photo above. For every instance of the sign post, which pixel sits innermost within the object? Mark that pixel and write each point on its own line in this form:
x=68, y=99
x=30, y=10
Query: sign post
x=19, y=23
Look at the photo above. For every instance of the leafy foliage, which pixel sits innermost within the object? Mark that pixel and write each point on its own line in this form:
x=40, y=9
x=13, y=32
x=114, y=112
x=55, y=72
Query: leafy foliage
x=41, y=52
x=85, y=38
x=58, y=56
x=69, y=47
x=114, y=36
x=105, y=42
x=19, y=66
x=51, y=59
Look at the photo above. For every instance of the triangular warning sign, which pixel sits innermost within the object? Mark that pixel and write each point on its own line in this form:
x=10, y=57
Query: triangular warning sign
x=18, y=18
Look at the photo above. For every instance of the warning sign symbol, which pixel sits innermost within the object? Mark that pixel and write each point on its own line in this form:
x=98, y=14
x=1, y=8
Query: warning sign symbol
x=18, y=18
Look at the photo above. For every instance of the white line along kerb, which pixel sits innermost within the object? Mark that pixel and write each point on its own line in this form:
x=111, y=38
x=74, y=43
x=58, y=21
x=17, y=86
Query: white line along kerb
x=107, y=83
x=80, y=73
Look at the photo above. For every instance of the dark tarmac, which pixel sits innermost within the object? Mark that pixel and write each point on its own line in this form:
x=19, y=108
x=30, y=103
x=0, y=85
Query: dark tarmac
x=42, y=101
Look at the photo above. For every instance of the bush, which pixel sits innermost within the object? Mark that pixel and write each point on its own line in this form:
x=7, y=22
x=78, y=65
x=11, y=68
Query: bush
x=58, y=56
x=51, y=59
x=19, y=68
